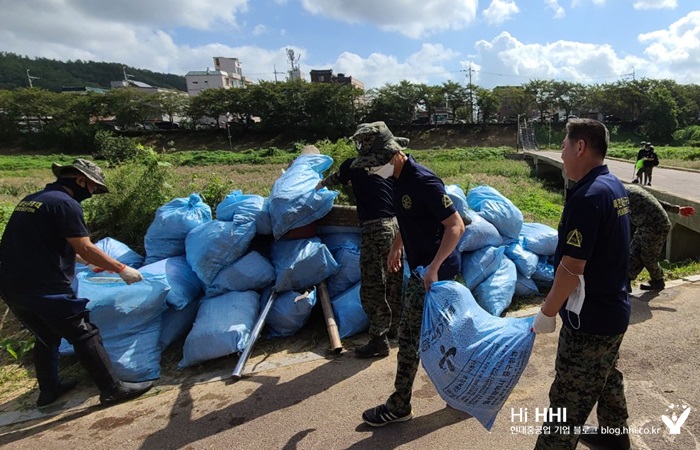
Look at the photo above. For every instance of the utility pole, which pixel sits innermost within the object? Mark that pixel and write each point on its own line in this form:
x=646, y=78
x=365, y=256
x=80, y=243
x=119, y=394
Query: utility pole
x=126, y=76
x=274, y=68
x=471, y=91
x=30, y=78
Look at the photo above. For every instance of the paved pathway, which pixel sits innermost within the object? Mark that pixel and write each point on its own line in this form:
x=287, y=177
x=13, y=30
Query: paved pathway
x=681, y=183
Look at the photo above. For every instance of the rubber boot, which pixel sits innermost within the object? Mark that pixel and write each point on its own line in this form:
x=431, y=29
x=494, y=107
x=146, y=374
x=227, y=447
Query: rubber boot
x=653, y=285
x=94, y=358
x=377, y=346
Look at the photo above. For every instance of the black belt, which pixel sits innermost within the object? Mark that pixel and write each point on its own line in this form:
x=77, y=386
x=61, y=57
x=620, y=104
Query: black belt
x=373, y=221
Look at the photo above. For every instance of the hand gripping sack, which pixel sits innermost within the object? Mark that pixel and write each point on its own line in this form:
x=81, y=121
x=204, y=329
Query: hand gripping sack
x=473, y=359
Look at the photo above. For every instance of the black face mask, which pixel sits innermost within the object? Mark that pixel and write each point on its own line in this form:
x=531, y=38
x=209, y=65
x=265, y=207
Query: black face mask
x=79, y=193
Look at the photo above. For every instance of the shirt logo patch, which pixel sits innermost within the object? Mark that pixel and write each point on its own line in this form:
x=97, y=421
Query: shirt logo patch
x=406, y=202
x=446, y=201
x=574, y=238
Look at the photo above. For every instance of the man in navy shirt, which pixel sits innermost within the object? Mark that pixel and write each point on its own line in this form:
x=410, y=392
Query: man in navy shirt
x=429, y=229
x=380, y=289
x=592, y=260
x=37, y=265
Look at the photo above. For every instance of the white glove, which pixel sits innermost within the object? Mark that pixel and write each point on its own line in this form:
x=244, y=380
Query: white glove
x=544, y=324
x=130, y=275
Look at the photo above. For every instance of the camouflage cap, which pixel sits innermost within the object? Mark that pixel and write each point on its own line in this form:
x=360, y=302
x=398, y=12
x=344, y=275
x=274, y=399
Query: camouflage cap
x=376, y=145
x=87, y=168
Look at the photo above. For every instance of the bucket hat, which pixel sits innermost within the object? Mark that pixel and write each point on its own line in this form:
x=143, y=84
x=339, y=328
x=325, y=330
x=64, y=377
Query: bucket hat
x=87, y=168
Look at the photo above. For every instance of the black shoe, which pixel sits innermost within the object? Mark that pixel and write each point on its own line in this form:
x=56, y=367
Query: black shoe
x=635, y=181
x=124, y=391
x=48, y=397
x=653, y=285
x=377, y=346
x=380, y=416
x=592, y=438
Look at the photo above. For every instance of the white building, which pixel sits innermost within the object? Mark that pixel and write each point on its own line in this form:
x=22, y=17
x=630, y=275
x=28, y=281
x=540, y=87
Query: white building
x=227, y=74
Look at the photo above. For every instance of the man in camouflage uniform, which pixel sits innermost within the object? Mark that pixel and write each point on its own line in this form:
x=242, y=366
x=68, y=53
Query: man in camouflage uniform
x=430, y=228
x=590, y=295
x=652, y=226
x=380, y=289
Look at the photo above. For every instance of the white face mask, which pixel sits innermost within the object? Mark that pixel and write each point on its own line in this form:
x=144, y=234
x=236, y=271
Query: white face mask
x=384, y=171
x=575, y=302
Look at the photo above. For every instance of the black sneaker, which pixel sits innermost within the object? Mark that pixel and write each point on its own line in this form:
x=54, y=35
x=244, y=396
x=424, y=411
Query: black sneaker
x=380, y=416
x=124, y=391
x=48, y=397
x=653, y=285
x=377, y=346
x=590, y=437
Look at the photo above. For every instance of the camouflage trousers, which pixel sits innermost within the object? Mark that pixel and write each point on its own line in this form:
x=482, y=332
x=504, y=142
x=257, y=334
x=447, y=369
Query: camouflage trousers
x=380, y=289
x=645, y=249
x=409, y=340
x=586, y=373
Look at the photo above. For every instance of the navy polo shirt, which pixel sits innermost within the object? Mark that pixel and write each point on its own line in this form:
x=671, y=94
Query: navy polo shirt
x=595, y=227
x=421, y=204
x=372, y=192
x=34, y=253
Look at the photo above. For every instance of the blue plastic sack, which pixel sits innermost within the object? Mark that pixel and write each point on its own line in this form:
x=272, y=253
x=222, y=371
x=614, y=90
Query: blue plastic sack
x=336, y=241
x=301, y=263
x=215, y=245
x=544, y=271
x=497, y=209
x=165, y=236
x=294, y=200
x=473, y=359
x=539, y=238
x=222, y=327
x=525, y=261
x=176, y=324
x=117, y=250
x=478, y=234
x=289, y=313
x=525, y=287
x=129, y=318
x=251, y=272
x=185, y=286
x=455, y=192
x=478, y=265
x=348, y=259
x=349, y=314
x=496, y=292
x=239, y=207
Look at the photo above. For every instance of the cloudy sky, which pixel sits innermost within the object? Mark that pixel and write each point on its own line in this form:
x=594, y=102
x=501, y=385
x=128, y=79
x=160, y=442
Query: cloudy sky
x=504, y=42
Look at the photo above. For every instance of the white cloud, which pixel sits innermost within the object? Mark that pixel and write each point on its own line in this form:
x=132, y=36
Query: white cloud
x=675, y=52
x=258, y=30
x=655, y=4
x=554, y=6
x=499, y=11
x=507, y=61
x=424, y=66
x=412, y=18
x=576, y=3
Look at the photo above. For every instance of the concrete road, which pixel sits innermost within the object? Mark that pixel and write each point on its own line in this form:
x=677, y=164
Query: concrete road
x=317, y=404
x=682, y=183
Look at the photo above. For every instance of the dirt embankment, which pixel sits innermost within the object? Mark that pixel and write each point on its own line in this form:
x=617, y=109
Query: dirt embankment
x=422, y=138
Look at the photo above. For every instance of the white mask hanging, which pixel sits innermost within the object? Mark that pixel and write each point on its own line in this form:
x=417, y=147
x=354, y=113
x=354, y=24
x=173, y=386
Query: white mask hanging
x=385, y=171
x=574, y=304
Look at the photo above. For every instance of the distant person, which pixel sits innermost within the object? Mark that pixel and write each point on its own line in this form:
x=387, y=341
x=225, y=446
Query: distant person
x=651, y=161
x=429, y=229
x=37, y=264
x=590, y=295
x=639, y=163
x=380, y=288
x=651, y=227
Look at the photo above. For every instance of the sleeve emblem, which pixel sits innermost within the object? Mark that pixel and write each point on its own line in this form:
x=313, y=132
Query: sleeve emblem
x=574, y=238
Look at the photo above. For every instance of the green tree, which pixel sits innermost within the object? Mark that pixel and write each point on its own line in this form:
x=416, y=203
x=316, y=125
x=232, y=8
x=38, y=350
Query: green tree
x=661, y=114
